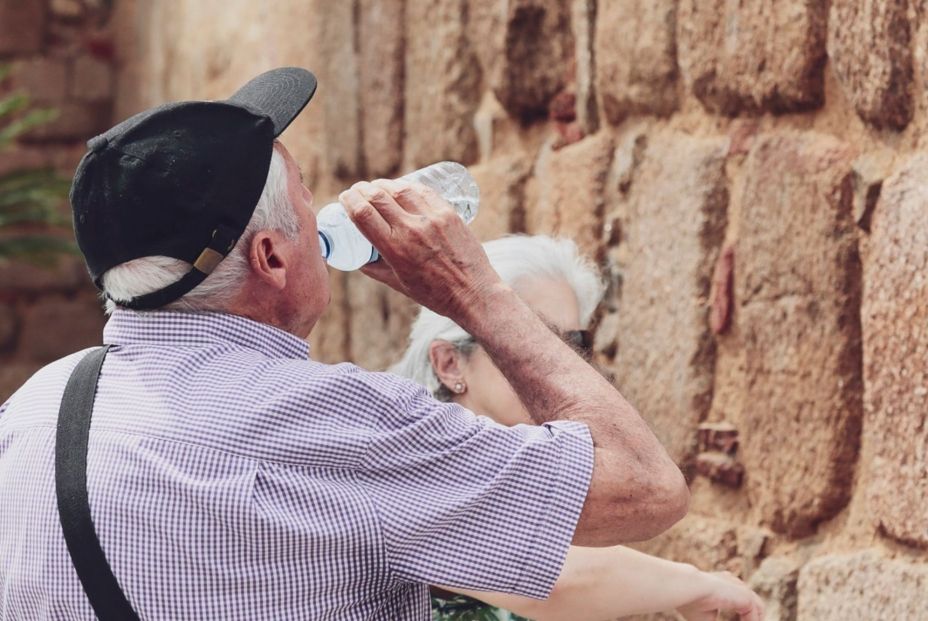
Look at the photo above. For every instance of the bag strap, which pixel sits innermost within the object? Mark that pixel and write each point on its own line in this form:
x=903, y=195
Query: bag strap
x=108, y=601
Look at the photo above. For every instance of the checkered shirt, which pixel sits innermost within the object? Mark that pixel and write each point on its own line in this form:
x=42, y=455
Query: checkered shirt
x=232, y=477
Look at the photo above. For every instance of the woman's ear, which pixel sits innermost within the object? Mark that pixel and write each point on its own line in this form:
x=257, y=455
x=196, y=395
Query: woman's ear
x=267, y=258
x=447, y=363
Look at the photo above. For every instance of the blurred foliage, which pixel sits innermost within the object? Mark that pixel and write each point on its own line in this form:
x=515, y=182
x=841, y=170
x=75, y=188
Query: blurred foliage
x=30, y=199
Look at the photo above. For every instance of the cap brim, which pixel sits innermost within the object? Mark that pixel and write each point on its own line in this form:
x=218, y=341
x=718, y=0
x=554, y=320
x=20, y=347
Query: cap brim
x=279, y=93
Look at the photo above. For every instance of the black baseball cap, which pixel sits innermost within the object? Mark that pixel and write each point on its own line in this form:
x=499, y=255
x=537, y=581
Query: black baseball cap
x=182, y=180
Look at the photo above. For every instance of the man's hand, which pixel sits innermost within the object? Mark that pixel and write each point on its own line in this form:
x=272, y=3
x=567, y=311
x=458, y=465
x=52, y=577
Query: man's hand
x=427, y=251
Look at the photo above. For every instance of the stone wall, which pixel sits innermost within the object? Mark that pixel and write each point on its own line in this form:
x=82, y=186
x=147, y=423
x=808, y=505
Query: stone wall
x=61, y=53
x=750, y=175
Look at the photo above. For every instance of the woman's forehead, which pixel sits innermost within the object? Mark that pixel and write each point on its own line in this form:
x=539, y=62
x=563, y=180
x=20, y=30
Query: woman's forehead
x=553, y=299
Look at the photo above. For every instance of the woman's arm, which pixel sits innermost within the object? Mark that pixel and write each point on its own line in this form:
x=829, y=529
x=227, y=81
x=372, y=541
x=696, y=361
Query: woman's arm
x=605, y=583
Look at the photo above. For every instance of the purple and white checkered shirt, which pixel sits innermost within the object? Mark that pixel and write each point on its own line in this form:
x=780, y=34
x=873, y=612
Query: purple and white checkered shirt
x=231, y=477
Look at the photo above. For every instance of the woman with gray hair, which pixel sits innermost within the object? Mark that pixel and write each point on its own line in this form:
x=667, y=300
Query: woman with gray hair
x=564, y=289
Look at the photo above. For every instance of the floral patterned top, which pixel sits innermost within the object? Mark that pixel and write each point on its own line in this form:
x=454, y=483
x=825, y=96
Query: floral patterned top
x=463, y=608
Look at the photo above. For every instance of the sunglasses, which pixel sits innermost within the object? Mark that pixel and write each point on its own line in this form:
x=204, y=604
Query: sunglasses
x=580, y=341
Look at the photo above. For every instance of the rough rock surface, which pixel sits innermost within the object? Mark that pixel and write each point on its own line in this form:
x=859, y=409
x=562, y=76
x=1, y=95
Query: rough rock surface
x=707, y=542
x=869, y=44
x=568, y=196
x=534, y=55
x=636, y=58
x=862, y=586
x=381, y=30
x=775, y=581
x=895, y=327
x=22, y=26
x=502, y=188
x=583, y=23
x=673, y=229
x=442, y=84
x=797, y=287
x=751, y=57
x=340, y=76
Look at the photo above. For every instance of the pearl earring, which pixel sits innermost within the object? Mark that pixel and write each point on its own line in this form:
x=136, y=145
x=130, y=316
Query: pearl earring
x=459, y=387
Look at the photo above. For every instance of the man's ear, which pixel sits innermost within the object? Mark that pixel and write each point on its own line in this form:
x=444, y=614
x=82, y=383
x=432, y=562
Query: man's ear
x=447, y=363
x=267, y=258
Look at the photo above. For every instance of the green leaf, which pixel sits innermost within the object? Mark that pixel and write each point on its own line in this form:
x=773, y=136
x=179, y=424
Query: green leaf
x=33, y=196
x=13, y=103
x=33, y=118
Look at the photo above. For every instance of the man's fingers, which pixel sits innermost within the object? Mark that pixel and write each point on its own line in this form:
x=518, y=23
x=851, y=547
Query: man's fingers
x=381, y=200
x=369, y=220
x=409, y=196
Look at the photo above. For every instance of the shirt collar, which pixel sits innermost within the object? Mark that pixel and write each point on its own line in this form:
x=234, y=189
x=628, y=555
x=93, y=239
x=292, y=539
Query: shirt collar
x=191, y=329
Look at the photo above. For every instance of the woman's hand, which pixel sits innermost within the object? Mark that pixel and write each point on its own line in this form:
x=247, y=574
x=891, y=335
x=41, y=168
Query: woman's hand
x=606, y=583
x=725, y=592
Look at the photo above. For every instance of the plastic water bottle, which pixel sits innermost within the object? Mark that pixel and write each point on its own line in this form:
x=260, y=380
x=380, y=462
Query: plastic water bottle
x=345, y=248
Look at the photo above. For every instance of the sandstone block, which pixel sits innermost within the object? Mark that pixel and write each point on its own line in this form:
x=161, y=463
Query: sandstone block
x=719, y=468
x=583, y=24
x=45, y=80
x=673, y=226
x=58, y=325
x=536, y=49
x=711, y=545
x=502, y=191
x=92, y=79
x=797, y=288
x=861, y=587
x=636, y=58
x=500, y=134
x=442, y=88
x=67, y=9
x=870, y=170
x=775, y=581
x=750, y=57
x=22, y=26
x=340, y=75
x=869, y=44
x=895, y=327
x=568, y=198
x=380, y=63
x=486, y=23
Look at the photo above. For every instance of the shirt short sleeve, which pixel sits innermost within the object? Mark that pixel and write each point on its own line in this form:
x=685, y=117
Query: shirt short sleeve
x=464, y=501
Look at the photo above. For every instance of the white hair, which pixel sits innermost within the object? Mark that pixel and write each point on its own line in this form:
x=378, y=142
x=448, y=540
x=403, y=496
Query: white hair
x=140, y=276
x=515, y=258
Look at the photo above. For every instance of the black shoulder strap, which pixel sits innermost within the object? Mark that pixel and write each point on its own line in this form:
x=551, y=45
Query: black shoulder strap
x=107, y=599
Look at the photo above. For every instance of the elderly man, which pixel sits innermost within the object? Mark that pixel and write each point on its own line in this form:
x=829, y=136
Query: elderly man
x=226, y=474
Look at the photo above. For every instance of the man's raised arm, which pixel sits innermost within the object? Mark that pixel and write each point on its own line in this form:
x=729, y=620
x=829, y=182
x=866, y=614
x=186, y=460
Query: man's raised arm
x=429, y=254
